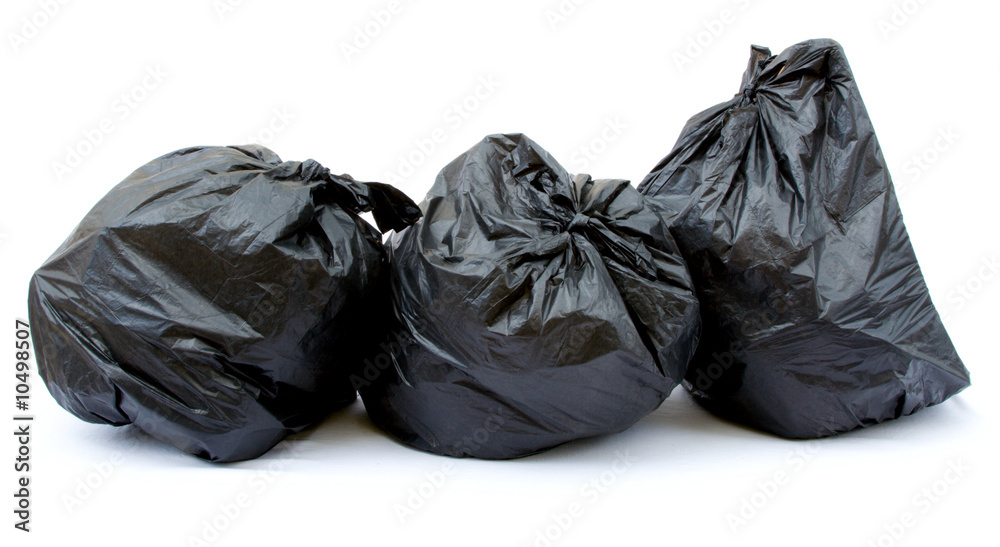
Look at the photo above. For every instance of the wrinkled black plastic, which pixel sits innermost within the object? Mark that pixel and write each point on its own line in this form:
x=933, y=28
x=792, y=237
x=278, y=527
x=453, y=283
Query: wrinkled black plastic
x=816, y=317
x=217, y=298
x=532, y=308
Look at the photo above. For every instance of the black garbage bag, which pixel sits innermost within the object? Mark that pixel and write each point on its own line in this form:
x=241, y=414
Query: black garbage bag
x=217, y=298
x=816, y=317
x=532, y=308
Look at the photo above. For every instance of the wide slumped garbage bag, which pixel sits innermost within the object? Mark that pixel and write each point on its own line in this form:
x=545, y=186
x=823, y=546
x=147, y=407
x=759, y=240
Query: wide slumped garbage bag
x=218, y=298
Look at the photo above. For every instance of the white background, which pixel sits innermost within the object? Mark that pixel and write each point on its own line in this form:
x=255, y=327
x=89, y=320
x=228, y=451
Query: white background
x=223, y=73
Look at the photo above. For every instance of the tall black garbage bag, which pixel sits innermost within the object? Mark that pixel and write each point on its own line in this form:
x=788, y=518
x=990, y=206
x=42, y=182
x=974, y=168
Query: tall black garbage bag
x=532, y=308
x=217, y=298
x=816, y=317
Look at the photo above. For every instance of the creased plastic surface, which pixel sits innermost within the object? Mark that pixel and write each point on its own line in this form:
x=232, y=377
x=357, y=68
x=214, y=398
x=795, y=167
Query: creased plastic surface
x=532, y=308
x=217, y=298
x=816, y=317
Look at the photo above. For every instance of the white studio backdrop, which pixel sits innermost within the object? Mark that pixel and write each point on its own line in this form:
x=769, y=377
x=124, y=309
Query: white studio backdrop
x=392, y=90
